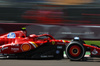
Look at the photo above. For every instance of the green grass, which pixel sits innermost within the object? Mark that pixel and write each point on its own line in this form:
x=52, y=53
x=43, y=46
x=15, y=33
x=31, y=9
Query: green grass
x=89, y=42
x=92, y=42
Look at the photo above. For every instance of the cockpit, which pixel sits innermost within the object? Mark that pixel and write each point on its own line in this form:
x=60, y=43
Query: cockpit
x=42, y=37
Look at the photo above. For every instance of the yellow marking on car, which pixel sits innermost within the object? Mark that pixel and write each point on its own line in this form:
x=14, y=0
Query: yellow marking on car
x=34, y=44
x=64, y=41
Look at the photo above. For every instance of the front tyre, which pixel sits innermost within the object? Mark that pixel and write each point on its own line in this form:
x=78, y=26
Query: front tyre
x=75, y=51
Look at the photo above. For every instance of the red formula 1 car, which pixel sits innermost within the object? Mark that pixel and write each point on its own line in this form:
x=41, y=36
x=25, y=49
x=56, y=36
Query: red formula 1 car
x=17, y=45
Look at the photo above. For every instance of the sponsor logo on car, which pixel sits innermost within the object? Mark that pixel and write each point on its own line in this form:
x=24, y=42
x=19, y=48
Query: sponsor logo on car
x=11, y=35
x=25, y=47
x=60, y=43
x=15, y=49
x=4, y=48
x=59, y=47
x=53, y=42
x=46, y=56
x=94, y=52
x=57, y=51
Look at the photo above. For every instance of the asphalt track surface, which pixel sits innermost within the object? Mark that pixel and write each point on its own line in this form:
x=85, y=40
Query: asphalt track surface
x=49, y=62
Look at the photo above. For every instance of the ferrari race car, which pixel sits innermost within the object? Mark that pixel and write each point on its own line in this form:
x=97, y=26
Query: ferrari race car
x=17, y=45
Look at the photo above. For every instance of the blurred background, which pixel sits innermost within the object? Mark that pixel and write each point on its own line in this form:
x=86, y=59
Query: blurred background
x=63, y=19
x=50, y=11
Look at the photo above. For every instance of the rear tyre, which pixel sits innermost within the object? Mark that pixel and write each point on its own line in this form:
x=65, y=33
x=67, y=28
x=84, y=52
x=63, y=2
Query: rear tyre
x=75, y=51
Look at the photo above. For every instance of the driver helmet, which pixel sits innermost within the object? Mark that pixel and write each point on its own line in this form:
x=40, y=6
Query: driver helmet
x=24, y=30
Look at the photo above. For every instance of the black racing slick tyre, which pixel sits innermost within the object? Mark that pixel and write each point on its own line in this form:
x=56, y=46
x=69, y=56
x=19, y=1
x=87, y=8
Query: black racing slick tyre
x=75, y=51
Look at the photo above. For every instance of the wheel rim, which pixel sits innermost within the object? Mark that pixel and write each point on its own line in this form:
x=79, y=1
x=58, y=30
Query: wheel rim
x=75, y=51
